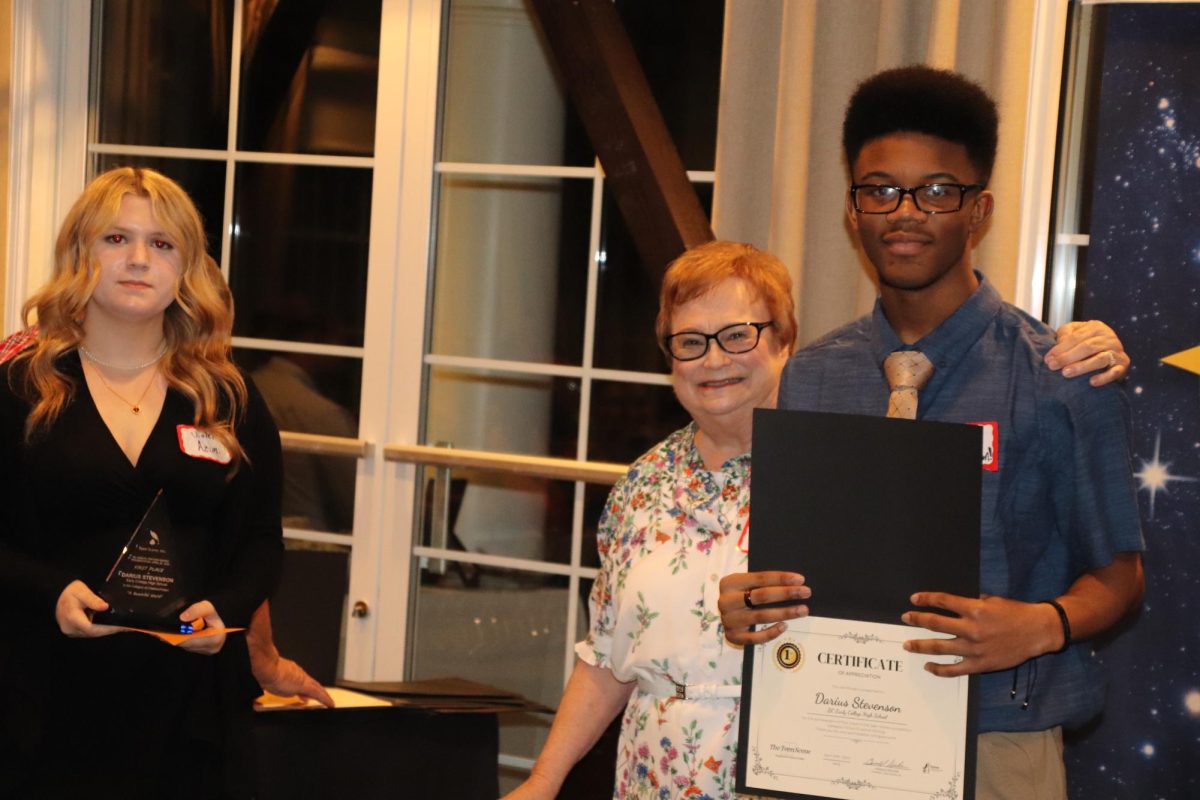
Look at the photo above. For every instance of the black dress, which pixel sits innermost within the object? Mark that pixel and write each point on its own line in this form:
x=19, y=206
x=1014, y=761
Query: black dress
x=126, y=715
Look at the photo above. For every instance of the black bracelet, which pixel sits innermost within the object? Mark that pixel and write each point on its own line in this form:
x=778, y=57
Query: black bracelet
x=1066, y=623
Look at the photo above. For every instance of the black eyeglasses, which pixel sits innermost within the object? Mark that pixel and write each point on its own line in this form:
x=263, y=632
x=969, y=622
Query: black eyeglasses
x=932, y=198
x=741, y=337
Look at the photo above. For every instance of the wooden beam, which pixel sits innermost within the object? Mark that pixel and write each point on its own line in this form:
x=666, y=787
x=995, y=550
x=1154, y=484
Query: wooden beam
x=609, y=89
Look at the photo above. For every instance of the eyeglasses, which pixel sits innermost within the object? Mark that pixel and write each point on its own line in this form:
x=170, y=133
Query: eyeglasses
x=741, y=337
x=932, y=198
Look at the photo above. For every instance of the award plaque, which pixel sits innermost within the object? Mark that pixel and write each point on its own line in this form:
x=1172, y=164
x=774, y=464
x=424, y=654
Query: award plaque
x=154, y=576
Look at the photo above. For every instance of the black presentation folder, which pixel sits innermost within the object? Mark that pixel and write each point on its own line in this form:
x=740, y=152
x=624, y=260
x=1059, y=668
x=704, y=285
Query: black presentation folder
x=869, y=510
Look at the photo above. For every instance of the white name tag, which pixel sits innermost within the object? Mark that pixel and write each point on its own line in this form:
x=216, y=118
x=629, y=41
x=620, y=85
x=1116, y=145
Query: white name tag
x=199, y=443
x=991, y=445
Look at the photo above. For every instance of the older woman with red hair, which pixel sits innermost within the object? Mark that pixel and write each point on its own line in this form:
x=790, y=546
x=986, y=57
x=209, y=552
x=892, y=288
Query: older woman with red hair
x=677, y=523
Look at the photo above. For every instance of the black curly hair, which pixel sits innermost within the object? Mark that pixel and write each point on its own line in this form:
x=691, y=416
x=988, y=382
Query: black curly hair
x=921, y=99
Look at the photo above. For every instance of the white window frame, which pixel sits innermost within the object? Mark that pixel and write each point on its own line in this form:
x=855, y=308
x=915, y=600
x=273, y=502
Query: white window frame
x=47, y=153
x=585, y=373
x=1049, y=36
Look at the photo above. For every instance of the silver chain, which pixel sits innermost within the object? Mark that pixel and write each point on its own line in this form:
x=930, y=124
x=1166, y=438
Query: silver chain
x=162, y=351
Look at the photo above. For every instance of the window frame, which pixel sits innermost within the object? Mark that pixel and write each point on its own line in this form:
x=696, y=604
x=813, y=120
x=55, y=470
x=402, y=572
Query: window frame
x=585, y=372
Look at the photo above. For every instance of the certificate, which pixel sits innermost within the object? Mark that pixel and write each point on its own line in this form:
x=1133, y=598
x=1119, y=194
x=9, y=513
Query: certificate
x=841, y=710
x=869, y=510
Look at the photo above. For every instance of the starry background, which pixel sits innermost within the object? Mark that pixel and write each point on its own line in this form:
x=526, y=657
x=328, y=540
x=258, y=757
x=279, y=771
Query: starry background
x=1143, y=276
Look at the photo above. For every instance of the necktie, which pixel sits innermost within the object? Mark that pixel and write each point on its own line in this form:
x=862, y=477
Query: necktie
x=907, y=371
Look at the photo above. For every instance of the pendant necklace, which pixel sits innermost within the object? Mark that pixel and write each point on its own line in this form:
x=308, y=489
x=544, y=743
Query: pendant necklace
x=136, y=408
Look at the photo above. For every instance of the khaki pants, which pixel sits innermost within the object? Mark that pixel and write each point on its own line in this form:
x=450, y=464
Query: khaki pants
x=1021, y=766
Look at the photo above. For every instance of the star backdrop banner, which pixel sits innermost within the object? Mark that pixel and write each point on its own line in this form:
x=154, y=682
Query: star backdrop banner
x=1143, y=276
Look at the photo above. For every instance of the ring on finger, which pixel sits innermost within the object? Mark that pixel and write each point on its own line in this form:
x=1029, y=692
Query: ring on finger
x=746, y=599
x=1112, y=358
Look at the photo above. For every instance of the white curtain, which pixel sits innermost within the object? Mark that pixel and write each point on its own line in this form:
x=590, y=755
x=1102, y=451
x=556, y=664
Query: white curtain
x=789, y=69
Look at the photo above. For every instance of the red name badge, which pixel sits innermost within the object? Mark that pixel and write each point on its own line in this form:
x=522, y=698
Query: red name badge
x=991, y=445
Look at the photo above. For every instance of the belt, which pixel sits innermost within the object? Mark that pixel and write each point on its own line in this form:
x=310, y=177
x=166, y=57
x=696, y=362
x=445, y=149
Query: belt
x=666, y=688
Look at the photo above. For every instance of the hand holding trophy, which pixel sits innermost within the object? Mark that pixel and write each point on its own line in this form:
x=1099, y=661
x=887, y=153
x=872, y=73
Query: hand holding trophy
x=152, y=580
x=152, y=587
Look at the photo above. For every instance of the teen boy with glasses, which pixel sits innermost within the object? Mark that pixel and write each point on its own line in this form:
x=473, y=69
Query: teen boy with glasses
x=1060, y=533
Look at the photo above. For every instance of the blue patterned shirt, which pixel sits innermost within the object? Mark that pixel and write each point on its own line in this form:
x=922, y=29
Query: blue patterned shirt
x=1058, y=493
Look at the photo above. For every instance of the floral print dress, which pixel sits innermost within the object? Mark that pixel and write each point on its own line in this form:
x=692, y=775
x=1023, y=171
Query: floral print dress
x=670, y=531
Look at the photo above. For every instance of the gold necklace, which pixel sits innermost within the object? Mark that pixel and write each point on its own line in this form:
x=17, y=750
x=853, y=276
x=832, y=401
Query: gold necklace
x=136, y=408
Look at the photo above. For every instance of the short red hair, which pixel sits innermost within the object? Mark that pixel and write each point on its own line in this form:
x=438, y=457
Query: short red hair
x=701, y=268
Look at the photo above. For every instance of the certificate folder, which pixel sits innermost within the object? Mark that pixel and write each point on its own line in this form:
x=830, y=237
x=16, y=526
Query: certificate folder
x=869, y=510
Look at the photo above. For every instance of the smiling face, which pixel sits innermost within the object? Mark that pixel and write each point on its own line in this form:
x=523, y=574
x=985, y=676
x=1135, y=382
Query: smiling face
x=720, y=388
x=912, y=250
x=139, y=267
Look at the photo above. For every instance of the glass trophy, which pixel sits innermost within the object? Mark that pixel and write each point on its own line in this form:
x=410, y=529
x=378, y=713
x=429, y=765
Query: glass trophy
x=153, y=578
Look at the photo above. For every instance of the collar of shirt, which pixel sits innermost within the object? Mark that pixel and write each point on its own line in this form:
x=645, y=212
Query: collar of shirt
x=946, y=344
x=690, y=454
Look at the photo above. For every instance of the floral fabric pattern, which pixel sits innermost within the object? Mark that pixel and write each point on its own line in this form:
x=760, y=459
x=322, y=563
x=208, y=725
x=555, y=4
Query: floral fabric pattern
x=670, y=530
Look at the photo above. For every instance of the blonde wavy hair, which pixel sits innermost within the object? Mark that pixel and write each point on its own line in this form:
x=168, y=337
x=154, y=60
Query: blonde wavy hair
x=197, y=326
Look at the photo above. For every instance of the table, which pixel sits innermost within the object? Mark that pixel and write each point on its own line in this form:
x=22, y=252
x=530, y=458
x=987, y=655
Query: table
x=364, y=753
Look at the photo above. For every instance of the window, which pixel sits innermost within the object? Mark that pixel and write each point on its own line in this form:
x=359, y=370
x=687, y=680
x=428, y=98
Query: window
x=541, y=320
x=265, y=113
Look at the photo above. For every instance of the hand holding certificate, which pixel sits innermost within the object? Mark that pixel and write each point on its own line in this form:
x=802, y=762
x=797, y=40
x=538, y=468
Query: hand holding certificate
x=869, y=510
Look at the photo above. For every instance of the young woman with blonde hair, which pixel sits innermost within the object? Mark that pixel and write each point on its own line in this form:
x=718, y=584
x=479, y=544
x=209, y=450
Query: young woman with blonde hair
x=129, y=389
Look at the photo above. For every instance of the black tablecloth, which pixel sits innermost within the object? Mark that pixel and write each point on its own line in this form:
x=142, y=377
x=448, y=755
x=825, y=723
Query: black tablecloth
x=363, y=753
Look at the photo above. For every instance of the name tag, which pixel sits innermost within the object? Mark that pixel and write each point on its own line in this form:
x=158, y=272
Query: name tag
x=991, y=445
x=199, y=443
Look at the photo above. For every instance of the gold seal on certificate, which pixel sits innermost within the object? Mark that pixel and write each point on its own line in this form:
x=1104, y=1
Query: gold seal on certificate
x=789, y=655
x=869, y=510
x=153, y=578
